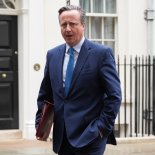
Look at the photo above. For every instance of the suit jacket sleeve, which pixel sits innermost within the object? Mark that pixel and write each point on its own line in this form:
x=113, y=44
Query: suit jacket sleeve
x=112, y=100
x=45, y=93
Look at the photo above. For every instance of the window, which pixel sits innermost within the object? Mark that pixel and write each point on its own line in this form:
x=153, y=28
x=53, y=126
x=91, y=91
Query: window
x=101, y=21
x=9, y=4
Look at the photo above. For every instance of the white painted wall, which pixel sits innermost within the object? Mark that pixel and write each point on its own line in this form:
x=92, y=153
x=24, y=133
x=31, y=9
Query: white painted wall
x=131, y=27
x=51, y=23
x=122, y=11
x=23, y=59
x=35, y=55
x=137, y=27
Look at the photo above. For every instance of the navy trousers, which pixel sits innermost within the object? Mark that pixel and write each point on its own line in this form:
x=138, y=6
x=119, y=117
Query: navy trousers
x=97, y=147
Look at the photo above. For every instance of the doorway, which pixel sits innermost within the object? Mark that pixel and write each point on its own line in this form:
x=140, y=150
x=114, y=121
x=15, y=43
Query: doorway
x=9, y=118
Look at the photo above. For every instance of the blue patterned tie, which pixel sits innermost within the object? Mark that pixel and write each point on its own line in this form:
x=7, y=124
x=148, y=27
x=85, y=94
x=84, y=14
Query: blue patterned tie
x=69, y=71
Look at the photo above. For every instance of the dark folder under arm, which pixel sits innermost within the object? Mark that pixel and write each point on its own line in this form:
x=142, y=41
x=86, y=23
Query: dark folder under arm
x=46, y=121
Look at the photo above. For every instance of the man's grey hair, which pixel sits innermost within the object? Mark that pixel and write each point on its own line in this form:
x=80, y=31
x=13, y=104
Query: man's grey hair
x=74, y=7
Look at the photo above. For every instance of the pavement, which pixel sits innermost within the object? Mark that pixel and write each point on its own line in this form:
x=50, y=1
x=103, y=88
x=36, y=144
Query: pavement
x=35, y=147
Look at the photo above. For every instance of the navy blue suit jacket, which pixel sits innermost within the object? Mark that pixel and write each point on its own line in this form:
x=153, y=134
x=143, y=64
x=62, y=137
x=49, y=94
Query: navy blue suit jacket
x=93, y=100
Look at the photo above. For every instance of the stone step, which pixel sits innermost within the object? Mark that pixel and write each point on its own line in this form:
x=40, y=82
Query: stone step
x=6, y=135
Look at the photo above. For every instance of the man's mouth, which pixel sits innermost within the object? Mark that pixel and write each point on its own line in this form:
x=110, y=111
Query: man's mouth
x=69, y=36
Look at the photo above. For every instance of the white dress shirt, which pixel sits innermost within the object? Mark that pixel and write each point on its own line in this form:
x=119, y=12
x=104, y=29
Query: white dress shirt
x=77, y=49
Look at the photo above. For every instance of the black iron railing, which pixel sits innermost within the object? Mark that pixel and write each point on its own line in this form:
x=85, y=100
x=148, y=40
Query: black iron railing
x=137, y=113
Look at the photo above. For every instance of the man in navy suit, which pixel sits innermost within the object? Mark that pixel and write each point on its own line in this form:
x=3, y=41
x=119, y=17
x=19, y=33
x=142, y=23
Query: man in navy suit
x=84, y=117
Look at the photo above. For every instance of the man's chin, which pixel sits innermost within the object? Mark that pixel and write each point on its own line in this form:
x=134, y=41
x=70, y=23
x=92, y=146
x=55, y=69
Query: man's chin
x=70, y=43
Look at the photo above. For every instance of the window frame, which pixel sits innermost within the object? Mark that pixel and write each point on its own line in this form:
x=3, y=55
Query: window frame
x=104, y=15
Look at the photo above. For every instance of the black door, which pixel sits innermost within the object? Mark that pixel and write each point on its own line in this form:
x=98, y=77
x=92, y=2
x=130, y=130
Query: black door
x=8, y=73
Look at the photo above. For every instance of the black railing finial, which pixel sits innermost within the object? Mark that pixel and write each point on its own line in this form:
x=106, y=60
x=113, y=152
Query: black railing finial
x=67, y=2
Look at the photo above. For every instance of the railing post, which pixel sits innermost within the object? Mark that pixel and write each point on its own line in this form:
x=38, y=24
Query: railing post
x=149, y=95
x=67, y=2
x=153, y=95
x=125, y=103
x=119, y=122
x=131, y=100
x=136, y=89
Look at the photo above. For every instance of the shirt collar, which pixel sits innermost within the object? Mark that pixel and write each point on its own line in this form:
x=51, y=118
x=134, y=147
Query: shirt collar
x=77, y=47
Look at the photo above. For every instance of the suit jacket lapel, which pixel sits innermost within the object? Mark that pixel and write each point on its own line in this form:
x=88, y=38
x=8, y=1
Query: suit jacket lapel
x=83, y=55
x=59, y=65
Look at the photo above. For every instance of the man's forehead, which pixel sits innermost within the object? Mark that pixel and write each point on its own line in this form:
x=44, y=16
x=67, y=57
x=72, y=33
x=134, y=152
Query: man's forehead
x=70, y=17
x=70, y=12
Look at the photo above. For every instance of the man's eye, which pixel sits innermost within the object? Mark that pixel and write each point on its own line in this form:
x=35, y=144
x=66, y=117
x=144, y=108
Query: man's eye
x=63, y=25
x=72, y=24
x=68, y=24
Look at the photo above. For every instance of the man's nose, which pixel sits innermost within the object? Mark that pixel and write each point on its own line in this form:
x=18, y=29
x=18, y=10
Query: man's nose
x=68, y=28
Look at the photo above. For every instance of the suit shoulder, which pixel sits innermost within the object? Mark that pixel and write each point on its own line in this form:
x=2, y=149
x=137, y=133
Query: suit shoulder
x=100, y=50
x=55, y=49
x=98, y=46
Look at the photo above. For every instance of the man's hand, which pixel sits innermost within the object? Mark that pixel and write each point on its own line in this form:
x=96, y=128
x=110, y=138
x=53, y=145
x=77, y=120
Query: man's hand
x=44, y=137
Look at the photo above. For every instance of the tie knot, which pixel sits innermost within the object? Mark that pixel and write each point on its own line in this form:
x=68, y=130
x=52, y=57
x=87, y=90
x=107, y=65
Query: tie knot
x=71, y=51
